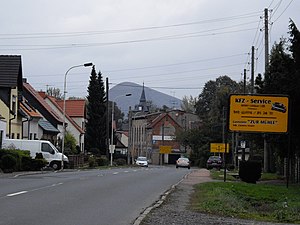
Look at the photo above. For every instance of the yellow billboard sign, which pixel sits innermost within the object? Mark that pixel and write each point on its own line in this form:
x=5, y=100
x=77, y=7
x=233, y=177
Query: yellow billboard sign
x=257, y=113
x=165, y=149
x=219, y=147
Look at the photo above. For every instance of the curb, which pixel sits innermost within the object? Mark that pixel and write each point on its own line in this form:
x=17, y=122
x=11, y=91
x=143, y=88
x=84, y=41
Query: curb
x=156, y=204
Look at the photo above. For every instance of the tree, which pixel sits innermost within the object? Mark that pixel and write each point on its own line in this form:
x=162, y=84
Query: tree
x=95, y=136
x=188, y=104
x=283, y=77
x=118, y=115
x=70, y=144
x=213, y=98
x=54, y=92
x=209, y=107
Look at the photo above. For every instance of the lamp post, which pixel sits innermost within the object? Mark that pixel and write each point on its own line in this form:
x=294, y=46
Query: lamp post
x=64, y=110
x=112, y=149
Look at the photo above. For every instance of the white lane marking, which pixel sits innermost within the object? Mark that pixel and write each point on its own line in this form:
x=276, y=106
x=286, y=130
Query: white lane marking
x=126, y=171
x=115, y=173
x=16, y=193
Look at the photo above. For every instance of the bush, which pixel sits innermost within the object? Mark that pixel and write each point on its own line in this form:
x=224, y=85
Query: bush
x=92, y=162
x=8, y=163
x=102, y=161
x=120, y=162
x=39, y=156
x=26, y=163
x=250, y=171
x=37, y=164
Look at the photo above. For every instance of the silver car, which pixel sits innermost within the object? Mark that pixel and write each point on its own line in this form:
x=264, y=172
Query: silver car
x=142, y=161
x=183, y=162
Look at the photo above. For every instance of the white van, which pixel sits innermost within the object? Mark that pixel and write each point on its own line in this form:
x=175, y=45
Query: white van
x=49, y=151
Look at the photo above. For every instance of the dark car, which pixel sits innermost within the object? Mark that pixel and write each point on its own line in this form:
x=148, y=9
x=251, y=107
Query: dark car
x=214, y=162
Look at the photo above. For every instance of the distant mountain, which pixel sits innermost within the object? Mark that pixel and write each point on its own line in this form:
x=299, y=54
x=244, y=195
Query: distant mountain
x=118, y=92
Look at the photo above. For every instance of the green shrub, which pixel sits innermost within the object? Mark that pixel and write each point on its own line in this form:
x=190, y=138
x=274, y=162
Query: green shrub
x=26, y=163
x=120, y=162
x=8, y=163
x=102, y=161
x=92, y=162
x=39, y=156
x=250, y=171
x=37, y=164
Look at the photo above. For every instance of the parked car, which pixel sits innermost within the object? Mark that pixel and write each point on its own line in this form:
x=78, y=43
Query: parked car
x=214, y=162
x=183, y=162
x=48, y=150
x=142, y=161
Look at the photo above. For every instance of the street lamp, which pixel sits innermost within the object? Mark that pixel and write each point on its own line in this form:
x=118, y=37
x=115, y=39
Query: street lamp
x=111, y=149
x=64, y=110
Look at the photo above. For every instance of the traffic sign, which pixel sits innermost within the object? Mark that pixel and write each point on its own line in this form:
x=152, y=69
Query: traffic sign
x=165, y=149
x=219, y=147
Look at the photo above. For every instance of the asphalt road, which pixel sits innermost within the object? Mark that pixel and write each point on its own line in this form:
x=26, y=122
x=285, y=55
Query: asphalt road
x=102, y=197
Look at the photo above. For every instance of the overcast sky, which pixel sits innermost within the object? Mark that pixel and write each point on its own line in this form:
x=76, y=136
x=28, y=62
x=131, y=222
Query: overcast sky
x=173, y=46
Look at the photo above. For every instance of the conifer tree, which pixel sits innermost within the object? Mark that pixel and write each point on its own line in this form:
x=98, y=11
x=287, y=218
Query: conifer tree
x=96, y=115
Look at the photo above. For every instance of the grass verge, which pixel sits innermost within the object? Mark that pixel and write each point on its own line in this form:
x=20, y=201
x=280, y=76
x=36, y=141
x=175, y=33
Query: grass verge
x=264, y=202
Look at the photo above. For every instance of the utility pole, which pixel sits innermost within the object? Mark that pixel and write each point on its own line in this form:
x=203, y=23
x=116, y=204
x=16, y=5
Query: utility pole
x=245, y=81
x=107, y=118
x=266, y=153
x=129, y=148
x=252, y=70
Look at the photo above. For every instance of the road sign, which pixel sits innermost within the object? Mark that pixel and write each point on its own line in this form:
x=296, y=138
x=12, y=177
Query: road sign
x=165, y=149
x=258, y=113
x=219, y=147
x=112, y=148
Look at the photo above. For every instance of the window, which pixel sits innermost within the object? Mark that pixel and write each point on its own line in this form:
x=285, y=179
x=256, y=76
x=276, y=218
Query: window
x=47, y=148
x=14, y=104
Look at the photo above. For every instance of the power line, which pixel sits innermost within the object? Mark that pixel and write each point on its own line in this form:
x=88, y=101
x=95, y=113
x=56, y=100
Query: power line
x=162, y=38
x=283, y=11
x=88, y=33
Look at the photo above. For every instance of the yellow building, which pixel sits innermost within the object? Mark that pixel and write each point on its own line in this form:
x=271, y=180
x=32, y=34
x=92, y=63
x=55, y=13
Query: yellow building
x=10, y=94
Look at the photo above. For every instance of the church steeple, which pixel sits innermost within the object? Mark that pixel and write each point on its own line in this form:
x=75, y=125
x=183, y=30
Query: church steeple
x=143, y=97
x=143, y=102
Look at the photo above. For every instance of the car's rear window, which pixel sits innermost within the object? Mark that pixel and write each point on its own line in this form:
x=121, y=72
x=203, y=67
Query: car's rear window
x=184, y=159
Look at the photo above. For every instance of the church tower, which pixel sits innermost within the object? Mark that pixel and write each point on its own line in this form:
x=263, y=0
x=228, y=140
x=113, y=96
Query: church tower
x=142, y=106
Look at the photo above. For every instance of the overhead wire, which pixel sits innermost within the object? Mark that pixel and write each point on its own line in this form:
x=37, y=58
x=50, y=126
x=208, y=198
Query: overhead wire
x=80, y=33
x=168, y=37
x=283, y=11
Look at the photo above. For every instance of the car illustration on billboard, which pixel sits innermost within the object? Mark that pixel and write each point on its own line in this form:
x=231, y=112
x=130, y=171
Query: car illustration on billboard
x=277, y=106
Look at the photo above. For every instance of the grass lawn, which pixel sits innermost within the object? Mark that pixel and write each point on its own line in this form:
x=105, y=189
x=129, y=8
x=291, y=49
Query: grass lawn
x=265, y=202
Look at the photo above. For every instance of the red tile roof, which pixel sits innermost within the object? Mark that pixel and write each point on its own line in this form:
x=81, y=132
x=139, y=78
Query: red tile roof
x=29, y=110
x=41, y=101
x=55, y=102
x=74, y=108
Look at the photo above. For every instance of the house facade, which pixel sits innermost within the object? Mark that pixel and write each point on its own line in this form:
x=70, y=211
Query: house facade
x=50, y=125
x=10, y=94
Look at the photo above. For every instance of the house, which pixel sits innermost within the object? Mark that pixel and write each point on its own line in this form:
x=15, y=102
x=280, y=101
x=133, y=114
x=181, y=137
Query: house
x=75, y=116
x=30, y=121
x=10, y=94
x=2, y=129
x=50, y=127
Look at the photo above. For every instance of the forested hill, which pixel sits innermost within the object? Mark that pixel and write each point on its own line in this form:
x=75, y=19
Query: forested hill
x=158, y=98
